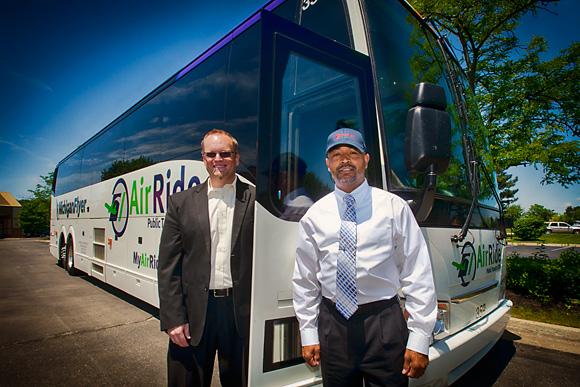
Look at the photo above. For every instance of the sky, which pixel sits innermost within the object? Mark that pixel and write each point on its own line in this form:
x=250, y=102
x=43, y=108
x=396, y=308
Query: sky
x=69, y=68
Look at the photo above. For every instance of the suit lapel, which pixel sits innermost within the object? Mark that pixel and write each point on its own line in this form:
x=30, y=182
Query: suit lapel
x=240, y=208
x=202, y=213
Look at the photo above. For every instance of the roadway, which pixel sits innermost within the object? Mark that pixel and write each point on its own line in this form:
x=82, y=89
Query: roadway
x=529, y=249
x=59, y=330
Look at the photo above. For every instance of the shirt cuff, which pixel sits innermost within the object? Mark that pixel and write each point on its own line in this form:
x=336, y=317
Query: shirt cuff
x=309, y=337
x=418, y=343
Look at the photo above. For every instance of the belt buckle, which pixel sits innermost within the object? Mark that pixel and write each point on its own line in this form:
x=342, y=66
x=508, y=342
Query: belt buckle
x=220, y=293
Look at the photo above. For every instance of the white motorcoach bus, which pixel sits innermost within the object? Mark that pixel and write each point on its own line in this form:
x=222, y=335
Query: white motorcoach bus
x=280, y=83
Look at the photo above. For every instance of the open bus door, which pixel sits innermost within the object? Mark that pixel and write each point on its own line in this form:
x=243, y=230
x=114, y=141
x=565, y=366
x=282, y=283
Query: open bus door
x=309, y=86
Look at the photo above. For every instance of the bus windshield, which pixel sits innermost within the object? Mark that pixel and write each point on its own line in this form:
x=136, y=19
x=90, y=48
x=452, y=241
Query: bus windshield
x=405, y=54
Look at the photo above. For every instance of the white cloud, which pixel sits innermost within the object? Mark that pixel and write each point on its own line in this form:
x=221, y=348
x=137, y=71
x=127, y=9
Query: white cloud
x=35, y=83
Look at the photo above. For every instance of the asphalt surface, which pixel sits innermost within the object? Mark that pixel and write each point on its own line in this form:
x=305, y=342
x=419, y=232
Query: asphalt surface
x=552, y=251
x=57, y=330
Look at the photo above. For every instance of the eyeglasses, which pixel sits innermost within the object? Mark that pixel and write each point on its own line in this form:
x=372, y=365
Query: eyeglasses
x=223, y=155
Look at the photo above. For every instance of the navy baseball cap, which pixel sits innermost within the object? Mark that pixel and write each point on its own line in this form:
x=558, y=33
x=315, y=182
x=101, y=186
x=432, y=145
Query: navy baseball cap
x=346, y=136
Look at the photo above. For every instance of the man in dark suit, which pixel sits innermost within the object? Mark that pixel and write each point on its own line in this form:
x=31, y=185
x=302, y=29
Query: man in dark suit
x=205, y=268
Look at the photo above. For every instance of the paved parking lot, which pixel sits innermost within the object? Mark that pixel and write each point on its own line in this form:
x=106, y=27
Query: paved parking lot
x=57, y=330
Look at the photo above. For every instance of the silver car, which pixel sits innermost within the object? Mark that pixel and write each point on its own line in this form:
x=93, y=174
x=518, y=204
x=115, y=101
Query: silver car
x=562, y=227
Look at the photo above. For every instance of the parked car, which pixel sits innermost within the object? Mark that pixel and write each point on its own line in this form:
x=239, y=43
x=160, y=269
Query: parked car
x=562, y=227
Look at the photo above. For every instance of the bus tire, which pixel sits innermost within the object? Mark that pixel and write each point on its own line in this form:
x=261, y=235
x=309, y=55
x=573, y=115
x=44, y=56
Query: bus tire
x=62, y=255
x=69, y=263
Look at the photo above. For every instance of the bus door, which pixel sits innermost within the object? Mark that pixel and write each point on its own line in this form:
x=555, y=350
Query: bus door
x=309, y=87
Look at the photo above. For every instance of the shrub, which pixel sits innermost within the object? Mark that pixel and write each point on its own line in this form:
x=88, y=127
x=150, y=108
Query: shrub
x=529, y=228
x=545, y=279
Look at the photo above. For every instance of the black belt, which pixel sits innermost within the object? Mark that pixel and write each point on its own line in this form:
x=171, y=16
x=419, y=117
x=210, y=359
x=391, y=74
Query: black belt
x=371, y=307
x=221, y=292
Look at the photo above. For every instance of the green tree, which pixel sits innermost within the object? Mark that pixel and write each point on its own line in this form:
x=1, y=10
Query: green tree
x=34, y=215
x=540, y=212
x=514, y=212
x=529, y=103
x=571, y=215
x=505, y=185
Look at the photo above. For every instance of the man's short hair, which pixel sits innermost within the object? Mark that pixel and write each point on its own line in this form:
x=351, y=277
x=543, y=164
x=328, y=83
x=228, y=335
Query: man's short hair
x=219, y=131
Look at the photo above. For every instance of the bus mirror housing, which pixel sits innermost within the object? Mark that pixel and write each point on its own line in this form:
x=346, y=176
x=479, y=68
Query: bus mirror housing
x=427, y=142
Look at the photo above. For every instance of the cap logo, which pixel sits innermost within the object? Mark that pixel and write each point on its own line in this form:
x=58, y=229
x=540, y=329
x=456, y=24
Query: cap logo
x=343, y=134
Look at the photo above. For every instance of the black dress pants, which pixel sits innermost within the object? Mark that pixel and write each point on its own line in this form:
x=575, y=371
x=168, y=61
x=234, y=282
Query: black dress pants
x=369, y=346
x=193, y=365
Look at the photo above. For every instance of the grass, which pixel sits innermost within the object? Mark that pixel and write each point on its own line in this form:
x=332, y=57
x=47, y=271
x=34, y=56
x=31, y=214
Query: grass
x=549, y=316
x=530, y=308
x=560, y=239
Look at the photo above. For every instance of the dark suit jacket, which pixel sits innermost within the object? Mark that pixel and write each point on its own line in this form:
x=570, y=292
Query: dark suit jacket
x=184, y=260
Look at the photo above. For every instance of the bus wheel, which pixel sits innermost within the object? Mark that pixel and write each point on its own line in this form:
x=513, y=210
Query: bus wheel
x=69, y=259
x=62, y=256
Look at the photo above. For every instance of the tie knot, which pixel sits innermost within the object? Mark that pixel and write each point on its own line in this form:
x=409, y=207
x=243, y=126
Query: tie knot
x=349, y=199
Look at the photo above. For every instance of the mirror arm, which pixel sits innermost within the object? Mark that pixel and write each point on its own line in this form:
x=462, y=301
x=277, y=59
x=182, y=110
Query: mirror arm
x=423, y=204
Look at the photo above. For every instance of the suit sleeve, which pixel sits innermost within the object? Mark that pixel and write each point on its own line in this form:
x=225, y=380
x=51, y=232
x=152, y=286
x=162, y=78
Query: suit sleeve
x=172, y=310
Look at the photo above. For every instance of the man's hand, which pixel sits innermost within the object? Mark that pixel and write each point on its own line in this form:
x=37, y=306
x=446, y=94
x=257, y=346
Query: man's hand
x=415, y=363
x=179, y=335
x=311, y=354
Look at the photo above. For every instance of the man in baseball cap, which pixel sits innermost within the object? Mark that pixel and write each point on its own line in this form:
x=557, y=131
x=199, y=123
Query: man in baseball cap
x=356, y=247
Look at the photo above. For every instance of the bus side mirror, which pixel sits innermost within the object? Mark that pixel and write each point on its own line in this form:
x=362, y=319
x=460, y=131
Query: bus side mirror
x=427, y=142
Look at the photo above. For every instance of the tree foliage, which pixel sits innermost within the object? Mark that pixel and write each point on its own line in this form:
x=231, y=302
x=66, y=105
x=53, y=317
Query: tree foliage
x=529, y=103
x=571, y=215
x=541, y=212
x=505, y=185
x=34, y=216
x=514, y=212
x=529, y=228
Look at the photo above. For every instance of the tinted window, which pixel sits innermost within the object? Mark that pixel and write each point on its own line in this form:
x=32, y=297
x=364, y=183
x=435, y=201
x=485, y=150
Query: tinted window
x=317, y=85
x=68, y=177
x=194, y=106
x=328, y=18
x=143, y=135
x=107, y=157
x=314, y=104
x=241, y=112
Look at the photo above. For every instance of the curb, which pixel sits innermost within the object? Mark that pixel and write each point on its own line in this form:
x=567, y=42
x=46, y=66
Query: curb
x=512, y=243
x=550, y=336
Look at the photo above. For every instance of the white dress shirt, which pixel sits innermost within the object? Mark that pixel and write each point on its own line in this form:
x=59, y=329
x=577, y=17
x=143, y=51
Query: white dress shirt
x=221, y=202
x=391, y=254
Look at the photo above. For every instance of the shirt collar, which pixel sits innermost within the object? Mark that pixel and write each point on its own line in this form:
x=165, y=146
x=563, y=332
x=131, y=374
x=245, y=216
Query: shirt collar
x=359, y=193
x=225, y=188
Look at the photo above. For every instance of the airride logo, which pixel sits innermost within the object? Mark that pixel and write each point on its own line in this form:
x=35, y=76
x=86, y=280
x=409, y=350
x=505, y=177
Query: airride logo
x=144, y=199
x=486, y=258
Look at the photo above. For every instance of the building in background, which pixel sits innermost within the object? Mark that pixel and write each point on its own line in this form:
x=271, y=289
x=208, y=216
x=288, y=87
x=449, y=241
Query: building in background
x=9, y=209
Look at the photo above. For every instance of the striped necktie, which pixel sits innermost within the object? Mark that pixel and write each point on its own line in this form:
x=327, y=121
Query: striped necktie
x=346, y=300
